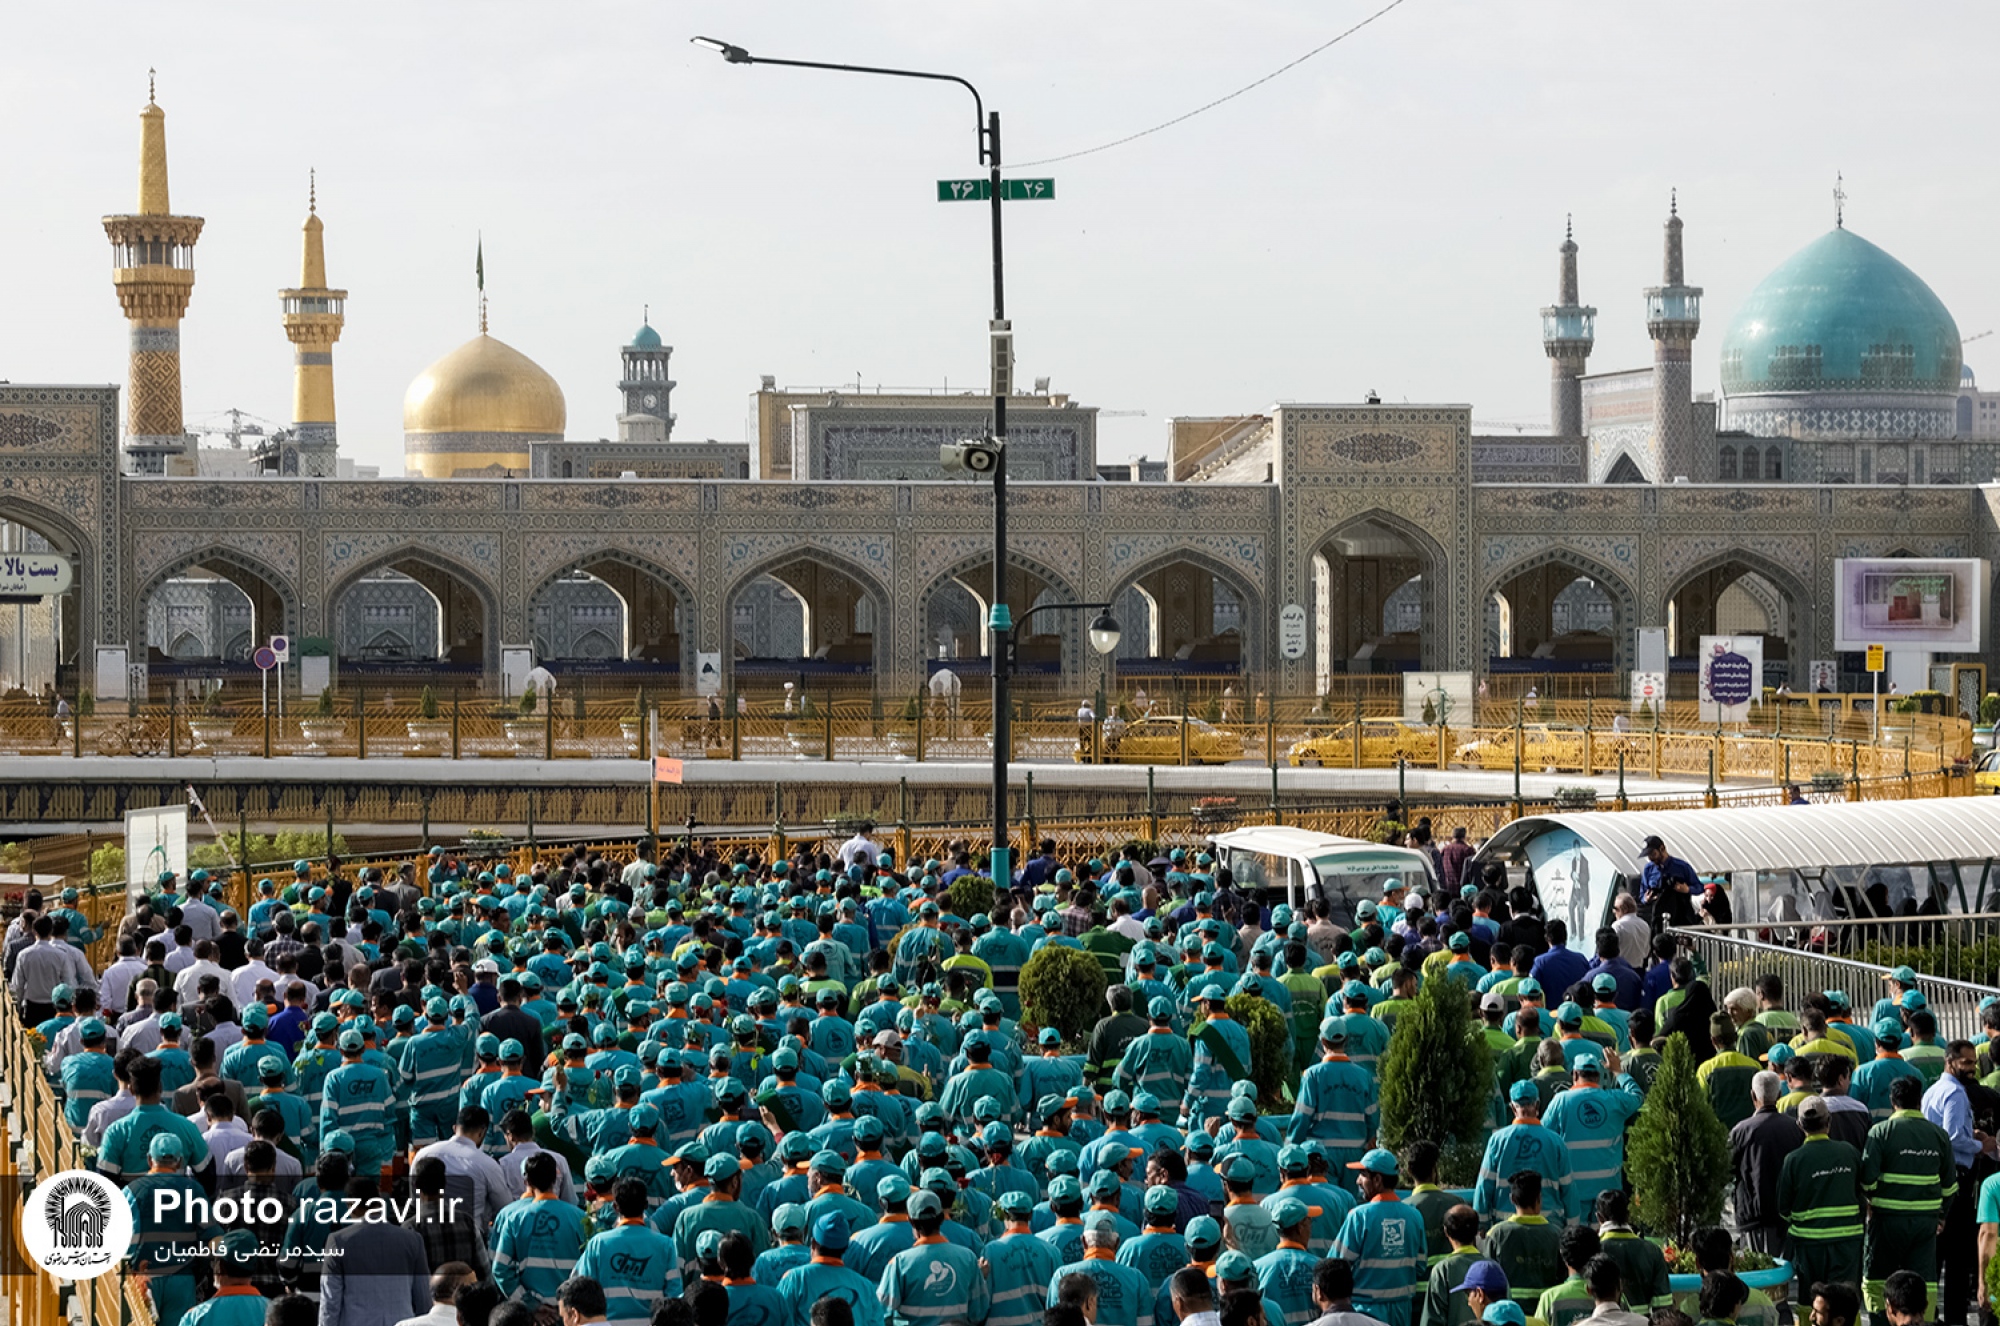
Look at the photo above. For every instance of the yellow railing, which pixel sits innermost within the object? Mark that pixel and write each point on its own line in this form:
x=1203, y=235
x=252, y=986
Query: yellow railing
x=33, y=1298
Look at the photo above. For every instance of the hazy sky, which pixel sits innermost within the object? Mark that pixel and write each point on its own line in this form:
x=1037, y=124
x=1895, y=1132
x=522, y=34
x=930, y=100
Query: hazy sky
x=1384, y=216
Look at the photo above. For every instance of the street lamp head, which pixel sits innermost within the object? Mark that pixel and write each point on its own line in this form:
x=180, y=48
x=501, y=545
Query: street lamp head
x=733, y=54
x=1104, y=632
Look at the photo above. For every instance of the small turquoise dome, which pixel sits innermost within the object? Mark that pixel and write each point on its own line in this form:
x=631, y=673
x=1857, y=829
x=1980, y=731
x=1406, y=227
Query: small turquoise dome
x=1841, y=315
x=645, y=338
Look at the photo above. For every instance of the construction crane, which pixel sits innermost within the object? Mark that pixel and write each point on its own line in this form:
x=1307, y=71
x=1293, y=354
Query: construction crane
x=238, y=429
x=1121, y=414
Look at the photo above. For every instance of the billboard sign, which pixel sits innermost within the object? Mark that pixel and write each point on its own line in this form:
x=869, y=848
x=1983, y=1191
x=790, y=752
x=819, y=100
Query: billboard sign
x=1917, y=603
x=155, y=842
x=1732, y=675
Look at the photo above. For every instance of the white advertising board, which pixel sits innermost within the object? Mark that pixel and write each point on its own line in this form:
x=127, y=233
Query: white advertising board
x=1935, y=604
x=155, y=840
x=1731, y=677
x=1292, y=631
x=1449, y=695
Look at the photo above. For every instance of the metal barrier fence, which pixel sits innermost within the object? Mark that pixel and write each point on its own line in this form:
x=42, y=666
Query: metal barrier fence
x=36, y=1141
x=1962, y=946
x=1731, y=961
x=1783, y=741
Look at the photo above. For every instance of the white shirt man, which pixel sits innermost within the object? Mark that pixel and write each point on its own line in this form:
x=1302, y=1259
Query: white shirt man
x=860, y=842
x=188, y=981
x=468, y=1167
x=225, y=1135
x=202, y=918
x=116, y=983
x=1635, y=937
x=107, y=1112
x=243, y=984
x=288, y=1166
x=511, y=1166
x=69, y=1041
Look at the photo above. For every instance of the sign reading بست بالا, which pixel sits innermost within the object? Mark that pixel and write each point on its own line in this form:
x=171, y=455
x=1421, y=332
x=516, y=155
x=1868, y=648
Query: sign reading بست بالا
x=33, y=575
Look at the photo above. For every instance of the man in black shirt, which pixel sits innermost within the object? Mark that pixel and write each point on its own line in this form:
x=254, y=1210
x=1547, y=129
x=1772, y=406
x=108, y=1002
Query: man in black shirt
x=508, y=1022
x=1757, y=1150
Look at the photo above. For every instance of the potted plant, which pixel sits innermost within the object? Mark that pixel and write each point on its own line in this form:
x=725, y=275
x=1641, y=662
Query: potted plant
x=903, y=733
x=320, y=728
x=806, y=730
x=427, y=730
x=1576, y=796
x=632, y=728
x=210, y=724
x=524, y=727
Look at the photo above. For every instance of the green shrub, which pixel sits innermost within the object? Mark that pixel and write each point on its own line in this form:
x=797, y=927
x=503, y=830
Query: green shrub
x=1958, y=962
x=528, y=699
x=86, y=704
x=1437, y=1079
x=427, y=703
x=107, y=864
x=970, y=895
x=261, y=849
x=1676, y=1151
x=1271, y=1064
x=1989, y=708
x=1062, y=987
x=325, y=706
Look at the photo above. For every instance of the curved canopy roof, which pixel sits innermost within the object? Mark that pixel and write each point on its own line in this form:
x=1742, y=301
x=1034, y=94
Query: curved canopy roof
x=1841, y=314
x=1874, y=833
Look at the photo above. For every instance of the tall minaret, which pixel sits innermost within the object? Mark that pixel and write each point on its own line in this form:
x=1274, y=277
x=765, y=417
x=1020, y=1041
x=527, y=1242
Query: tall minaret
x=152, y=254
x=1673, y=317
x=1569, y=329
x=313, y=318
x=647, y=389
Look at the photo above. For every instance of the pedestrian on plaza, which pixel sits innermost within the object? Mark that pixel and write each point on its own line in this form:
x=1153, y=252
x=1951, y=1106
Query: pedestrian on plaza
x=1819, y=1199
x=1667, y=886
x=1758, y=1147
x=1948, y=1104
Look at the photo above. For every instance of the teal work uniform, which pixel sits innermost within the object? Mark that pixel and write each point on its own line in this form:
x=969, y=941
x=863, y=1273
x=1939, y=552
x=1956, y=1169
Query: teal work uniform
x=86, y=1079
x=298, y=1119
x=122, y=1154
x=1022, y=1268
x=968, y=1087
x=1591, y=1122
x=536, y=1242
x=870, y=1250
x=356, y=1098
x=1517, y=1147
x=310, y=1069
x=806, y=1285
x=1285, y=1277
x=1872, y=1081
x=171, y=1276
x=637, y=1267
x=1124, y=1298
x=1384, y=1239
x=1338, y=1109
x=233, y=1305
x=753, y=1304
x=1333, y=1203
x=932, y=1281
x=724, y=1217
x=1256, y=1233
x=511, y=1091
x=1367, y=1040
x=774, y=1262
x=239, y=1062
x=431, y=1065
x=1211, y=1075
x=1155, y=1254
x=176, y=1069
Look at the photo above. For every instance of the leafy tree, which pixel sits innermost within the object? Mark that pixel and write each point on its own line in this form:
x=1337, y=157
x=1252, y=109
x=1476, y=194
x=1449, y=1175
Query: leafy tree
x=1062, y=987
x=1437, y=1079
x=969, y=895
x=1271, y=1064
x=1677, y=1151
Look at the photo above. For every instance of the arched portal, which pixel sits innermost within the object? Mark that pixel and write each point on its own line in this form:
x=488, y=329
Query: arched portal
x=1559, y=612
x=954, y=609
x=1738, y=593
x=445, y=612
x=843, y=615
x=39, y=638
x=214, y=605
x=1375, y=591
x=1184, y=614
x=610, y=606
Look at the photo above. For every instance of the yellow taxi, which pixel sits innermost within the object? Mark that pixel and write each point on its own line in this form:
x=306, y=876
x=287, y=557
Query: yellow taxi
x=1542, y=747
x=1986, y=774
x=1157, y=740
x=1382, y=740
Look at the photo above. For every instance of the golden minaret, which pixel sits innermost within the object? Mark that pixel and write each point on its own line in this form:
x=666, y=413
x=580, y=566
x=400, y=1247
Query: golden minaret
x=314, y=316
x=152, y=255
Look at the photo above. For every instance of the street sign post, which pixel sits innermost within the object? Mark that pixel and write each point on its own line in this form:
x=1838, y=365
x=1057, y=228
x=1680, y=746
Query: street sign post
x=1876, y=661
x=265, y=660
x=981, y=191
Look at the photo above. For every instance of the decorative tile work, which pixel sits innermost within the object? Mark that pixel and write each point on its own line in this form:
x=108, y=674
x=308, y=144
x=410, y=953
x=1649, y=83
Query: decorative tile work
x=411, y=495
x=1769, y=554
x=271, y=553
x=470, y=554
x=1503, y=557
x=677, y=555
x=212, y=495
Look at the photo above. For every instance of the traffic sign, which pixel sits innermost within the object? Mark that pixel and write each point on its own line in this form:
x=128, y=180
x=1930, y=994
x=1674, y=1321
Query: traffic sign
x=979, y=191
x=1875, y=658
x=264, y=659
x=281, y=646
x=1292, y=631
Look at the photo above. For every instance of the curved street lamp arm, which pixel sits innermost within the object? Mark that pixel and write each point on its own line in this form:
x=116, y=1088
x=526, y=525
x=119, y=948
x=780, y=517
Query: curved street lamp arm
x=738, y=55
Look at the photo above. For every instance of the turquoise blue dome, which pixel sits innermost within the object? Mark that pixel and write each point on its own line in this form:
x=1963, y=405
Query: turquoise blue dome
x=645, y=338
x=1841, y=315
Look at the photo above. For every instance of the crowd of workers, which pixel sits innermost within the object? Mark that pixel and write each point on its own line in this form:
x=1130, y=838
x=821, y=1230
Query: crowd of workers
x=688, y=1087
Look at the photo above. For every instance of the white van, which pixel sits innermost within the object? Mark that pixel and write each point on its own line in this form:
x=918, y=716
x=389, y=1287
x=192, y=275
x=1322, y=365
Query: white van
x=1298, y=865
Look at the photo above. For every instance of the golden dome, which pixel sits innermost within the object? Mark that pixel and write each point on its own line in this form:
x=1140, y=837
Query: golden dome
x=484, y=386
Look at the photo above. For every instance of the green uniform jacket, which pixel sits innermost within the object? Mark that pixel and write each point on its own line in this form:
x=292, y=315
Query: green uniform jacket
x=1907, y=1166
x=1818, y=1190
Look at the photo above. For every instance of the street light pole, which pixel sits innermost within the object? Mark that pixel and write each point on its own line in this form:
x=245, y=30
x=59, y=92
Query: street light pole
x=1001, y=353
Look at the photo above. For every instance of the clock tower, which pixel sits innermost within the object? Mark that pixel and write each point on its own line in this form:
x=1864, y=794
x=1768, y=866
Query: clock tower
x=647, y=389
